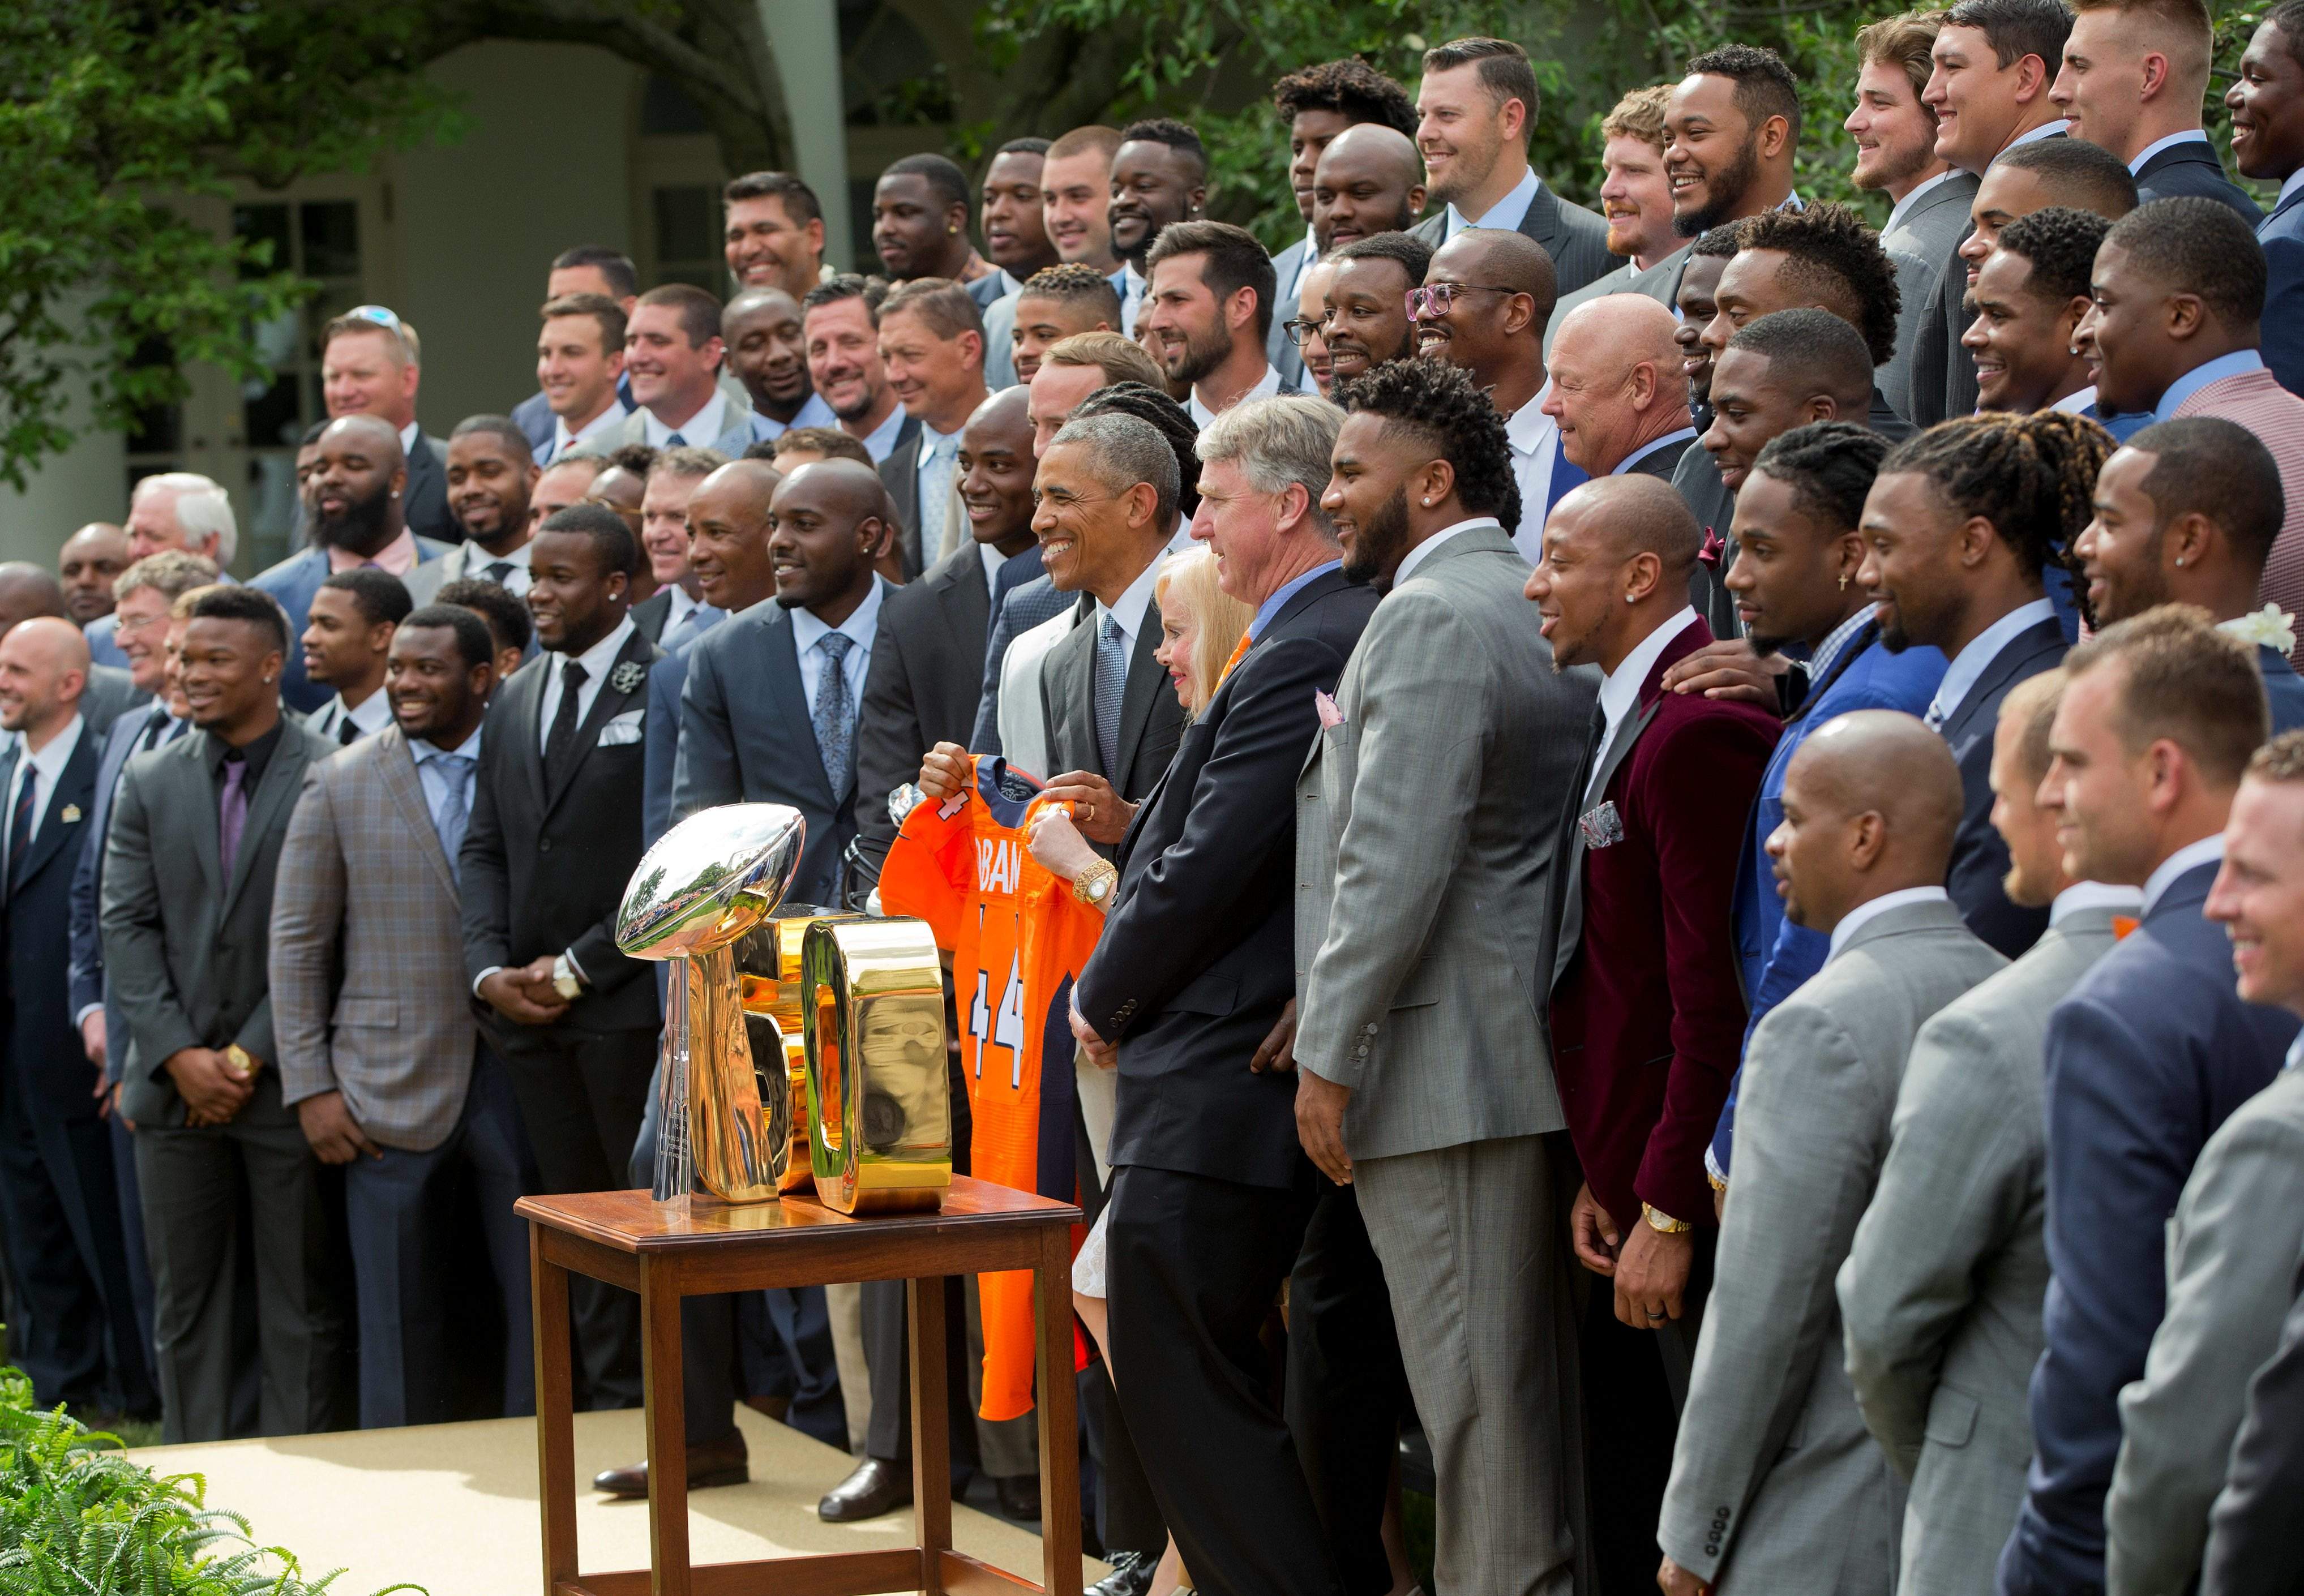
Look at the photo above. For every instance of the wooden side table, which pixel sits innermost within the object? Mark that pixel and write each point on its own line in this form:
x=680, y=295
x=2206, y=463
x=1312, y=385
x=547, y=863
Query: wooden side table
x=664, y=1253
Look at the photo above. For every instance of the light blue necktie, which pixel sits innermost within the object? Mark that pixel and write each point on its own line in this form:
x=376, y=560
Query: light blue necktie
x=1111, y=687
x=455, y=810
x=936, y=499
x=834, y=719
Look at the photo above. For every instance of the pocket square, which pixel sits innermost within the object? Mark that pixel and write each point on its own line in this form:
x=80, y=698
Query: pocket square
x=1602, y=827
x=623, y=730
x=1331, y=717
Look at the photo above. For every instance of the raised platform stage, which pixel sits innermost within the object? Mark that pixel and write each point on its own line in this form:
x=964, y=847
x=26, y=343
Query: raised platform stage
x=451, y=1508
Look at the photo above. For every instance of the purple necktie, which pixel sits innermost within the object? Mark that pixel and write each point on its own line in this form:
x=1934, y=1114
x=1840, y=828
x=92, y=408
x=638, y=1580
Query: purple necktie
x=232, y=813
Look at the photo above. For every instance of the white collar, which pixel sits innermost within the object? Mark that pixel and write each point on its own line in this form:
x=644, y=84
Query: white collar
x=564, y=439
x=2082, y=896
x=1507, y=212
x=408, y=435
x=1904, y=206
x=1527, y=427
x=2046, y=129
x=700, y=430
x=1422, y=551
x=600, y=656
x=1129, y=611
x=860, y=627
x=2188, y=136
x=1863, y=914
x=50, y=761
x=993, y=561
x=680, y=605
x=2209, y=851
x=371, y=714
x=1009, y=283
x=2079, y=402
x=1620, y=689
x=1969, y=666
x=1265, y=387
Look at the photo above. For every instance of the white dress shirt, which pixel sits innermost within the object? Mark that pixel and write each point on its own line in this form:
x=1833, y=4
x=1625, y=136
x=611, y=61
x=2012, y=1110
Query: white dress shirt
x=1507, y=212
x=1131, y=295
x=2083, y=895
x=408, y=437
x=1423, y=551
x=44, y=769
x=1265, y=387
x=1969, y=666
x=2188, y=136
x=1619, y=688
x=2046, y=129
x=598, y=661
x=1535, y=440
x=699, y=431
x=880, y=443
x=860, y=629
x=369, y=716
x=2209, y=851
x=1855, y=919
x=563, y=440
x=1129, y=610
x=2079, y=402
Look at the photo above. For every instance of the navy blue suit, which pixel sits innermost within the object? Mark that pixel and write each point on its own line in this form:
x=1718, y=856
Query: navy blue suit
x=2282, y=234
x=1980, y=859
x=2148, y=1056
x=292, y=582
x=2283, y=688
x=2192, y=169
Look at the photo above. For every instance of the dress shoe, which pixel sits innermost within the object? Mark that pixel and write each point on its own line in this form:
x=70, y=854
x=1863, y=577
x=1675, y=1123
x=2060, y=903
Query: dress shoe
x=1131, y=1575
x=876, y=1486
x=715, y=1463
x=1019, y=1496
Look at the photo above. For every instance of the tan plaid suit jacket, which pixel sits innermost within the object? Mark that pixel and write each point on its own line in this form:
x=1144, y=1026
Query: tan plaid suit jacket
x=368, y=995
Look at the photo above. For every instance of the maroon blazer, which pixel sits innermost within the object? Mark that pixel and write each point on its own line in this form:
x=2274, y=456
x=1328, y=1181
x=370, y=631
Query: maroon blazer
x=1648, y=1014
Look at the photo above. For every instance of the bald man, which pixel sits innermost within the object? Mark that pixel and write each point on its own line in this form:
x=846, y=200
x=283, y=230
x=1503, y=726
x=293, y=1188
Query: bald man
x=768, y=355
x=27, y=591
x=77, y=1338
x=1648, y=1014
x=1619, y=393
x=1369, y=180
x=89, y=563
x=1871, y=801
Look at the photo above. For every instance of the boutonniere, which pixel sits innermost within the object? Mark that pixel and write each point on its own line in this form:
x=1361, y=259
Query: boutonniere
x=2269, y=627
x=628, y=676
x=1714, y=546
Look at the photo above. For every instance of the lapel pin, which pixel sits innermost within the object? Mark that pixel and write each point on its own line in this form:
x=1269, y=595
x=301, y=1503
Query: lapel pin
x=72, y=814
x=626, y=676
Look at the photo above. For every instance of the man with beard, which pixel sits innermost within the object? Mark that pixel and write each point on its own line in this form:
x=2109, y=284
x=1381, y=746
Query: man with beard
x=1159, y=177
x=2267, y=102
x=1731, y=129
x=359, y=490
x=919, y=224
x=1369, y=321
x=345, y=646
x=840, y=318
x=1368, y=181
x=1895, y=135
x=1636, y=198
x=768, y=352
x=493, y=485
x=1209, y=304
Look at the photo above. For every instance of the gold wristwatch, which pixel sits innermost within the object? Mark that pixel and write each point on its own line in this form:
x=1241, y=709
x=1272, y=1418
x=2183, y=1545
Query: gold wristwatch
x=1661, y=1222
x=1094, y=884
x=244, y=1064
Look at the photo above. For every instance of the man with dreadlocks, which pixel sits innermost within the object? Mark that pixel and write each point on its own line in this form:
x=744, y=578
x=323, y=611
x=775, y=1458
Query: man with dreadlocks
x=1960, y=527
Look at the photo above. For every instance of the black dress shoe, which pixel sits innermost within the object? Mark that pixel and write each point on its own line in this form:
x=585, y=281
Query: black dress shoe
x=876, y=1486
x=1019, y=1496
x=715, y=1463
x=1131, y=1575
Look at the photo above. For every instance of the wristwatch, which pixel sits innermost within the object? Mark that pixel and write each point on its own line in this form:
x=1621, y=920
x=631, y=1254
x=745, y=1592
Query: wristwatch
x=1659, y=1220
x=1094, y=884
x=565, y=979
x=244, y=1064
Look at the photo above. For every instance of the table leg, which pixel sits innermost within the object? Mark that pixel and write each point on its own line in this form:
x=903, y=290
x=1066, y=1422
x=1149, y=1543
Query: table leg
x=555, y=1439
x=931, y=1419
x=1060, y=1497
x=667, y=1430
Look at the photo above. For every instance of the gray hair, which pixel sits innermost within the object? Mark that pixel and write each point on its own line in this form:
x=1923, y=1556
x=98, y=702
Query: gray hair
x=1129, y=451
x=172, y=573
x=202, y=507
x=691, y=460
x=1284, y=439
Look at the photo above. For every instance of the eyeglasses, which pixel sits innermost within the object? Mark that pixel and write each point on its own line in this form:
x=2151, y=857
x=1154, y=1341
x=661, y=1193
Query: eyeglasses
x=1298, y=330
x=1434, y=298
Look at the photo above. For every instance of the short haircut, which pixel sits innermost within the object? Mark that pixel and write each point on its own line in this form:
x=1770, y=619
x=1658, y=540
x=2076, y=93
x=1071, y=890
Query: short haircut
x=613, y=542
x=1765, y=86
x=504, y=427
x=1285, y=438
x=829, y=441
x=232, y=601
x=1351, y=89
x=1639, y=114
x=1829, y=252
x=1413, y=254
x=2084, y=175
x=2280, y=760
x=600, y=308
x=942, y=173
x=689, y=459
x=172, y=573
x=202, y=506
x=699, y=312
x=1178, y=135
x=182, y=609
x=2288, y=16
x=585, y=458
x=475, y=640
x=1023, y=147
x=1121, y=360
x=1231, y=259
x=1154, y=408
x=1814, y=346
x=1504, y=71
x=638, y=459
x=1718, y=243
x=1440, y=407
x=944, y=306
x=2031, y=705
x=399, y=340
x=1095, y=137
x=2188, y=18
x=2220, y=470
x=2060, y=243
x=622, y=277
x=507, y=616
x=2187, y=683
x=1078, y=284
x=2016, y=29
x=847, y=286
x=1828, y=465
x=2200, y=247
x=1906, y=40
x=799, y=200
x=380, y=597
x=1128, y=451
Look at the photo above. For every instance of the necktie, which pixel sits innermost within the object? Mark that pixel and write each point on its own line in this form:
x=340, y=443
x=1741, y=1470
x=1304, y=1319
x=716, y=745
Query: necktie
x=498, y=569
x=935, y=498
x=675, y=442
x=1111, y=686
x=835, y=730
x=347, y=734
x=455, y=812
x=20, y=824
x=688, y=617
x=154, y=731
x=232, y=812
x=562, y=740
x=1239, y=652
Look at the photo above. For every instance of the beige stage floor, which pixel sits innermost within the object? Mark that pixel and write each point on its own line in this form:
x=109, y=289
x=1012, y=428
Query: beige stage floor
x=453, y=1507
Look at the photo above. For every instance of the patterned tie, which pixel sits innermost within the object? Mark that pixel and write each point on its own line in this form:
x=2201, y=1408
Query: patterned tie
x=20, y=824
x=1934, y=718
x=455, y=810
x=498, y=569
x=935, y=498
x=562, y=740
x=834, y=719
x=1111, y=687
x=232, y=812
x=1239, y=652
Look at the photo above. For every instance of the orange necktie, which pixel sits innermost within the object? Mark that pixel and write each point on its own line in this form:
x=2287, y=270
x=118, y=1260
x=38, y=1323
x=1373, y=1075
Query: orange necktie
x=1238, y=652
x=2121, y=924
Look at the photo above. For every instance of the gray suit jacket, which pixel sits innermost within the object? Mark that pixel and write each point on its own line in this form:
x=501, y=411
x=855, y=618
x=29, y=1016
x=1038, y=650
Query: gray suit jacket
x=1773, y=1480
x=1575, y=238
x=2232, y=1251
x=426, y=580
x=1421, y=865
x=634, y=428
x=1288, y=269
x=108, y=695
x=1659, y=282
x=368, y=995
x=184, y=947
x=1940, y=1297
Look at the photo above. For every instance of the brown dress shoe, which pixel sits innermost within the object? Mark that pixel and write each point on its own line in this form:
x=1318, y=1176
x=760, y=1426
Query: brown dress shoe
x=876, y=1486
x=722, y=1462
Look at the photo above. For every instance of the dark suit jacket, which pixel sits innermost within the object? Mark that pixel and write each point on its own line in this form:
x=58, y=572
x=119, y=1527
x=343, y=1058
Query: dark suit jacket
x=1575, y=238
x=2253, y=1539
x=544, y=872
x=1980, y=859
x=746, y=737
x=2283, y=687
x=1150, y=720
x=922, y=688
x=1943, y=373
x=651, y=613
x=186, y=948
x=1697, y=478
x=42, y=1039
x=1663, y=461
x=2282, y=234
x=1648, y=1012
x=427, y=501
x=2191, y=168
x=1024, y=606
x=900, y=474
x=2148, y=1056
x=1198, y=958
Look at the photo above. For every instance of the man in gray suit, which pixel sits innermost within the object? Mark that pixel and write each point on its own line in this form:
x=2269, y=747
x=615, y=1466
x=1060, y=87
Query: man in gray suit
x=195, y=840
x=1425, y=1079
x=1940, y=1297
x=1774, y=1486
x=2238, y=1230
